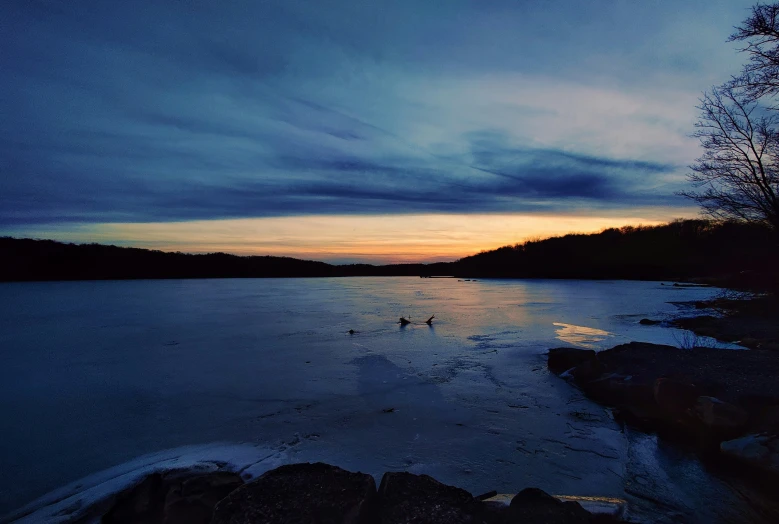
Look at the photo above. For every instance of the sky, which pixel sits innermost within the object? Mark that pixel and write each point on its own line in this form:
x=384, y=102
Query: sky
x=378, y=131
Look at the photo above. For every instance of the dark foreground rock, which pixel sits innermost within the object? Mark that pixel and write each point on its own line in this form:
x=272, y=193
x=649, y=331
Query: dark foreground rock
x=761, y=451
x=419, y=499
x=405, y=497
x=301, y=493
x=562, y=359
x=174, y=497
x=323, y=494
x=702, y=395
x=532, y=505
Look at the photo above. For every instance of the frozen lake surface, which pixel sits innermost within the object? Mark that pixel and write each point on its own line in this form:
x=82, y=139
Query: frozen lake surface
x=259, y=372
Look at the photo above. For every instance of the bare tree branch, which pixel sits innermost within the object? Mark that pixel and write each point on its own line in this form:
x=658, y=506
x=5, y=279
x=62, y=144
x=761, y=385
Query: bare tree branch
x=737, y=176
x=760, y=32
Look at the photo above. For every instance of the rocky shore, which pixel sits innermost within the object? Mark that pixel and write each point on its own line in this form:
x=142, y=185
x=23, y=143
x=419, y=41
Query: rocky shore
x=324, y=494
x=750, y=322
x=725, y=402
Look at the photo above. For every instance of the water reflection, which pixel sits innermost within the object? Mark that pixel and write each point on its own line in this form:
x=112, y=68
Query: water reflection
x=580, y=335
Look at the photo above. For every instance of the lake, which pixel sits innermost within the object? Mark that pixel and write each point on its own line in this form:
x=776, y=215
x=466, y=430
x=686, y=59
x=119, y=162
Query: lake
x=260, y=372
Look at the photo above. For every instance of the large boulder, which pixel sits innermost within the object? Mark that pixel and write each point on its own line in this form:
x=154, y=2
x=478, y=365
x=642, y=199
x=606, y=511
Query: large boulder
x=586, y=371
x=173, y=497
x=563, y=359
x=675, y=397
x=618, y=390
x=720, y=416
x=405, y=497
x=301, y=493
x=192, y=501
x=767, y=420
x=534, y=506
x=141, y=503
x=761, y=451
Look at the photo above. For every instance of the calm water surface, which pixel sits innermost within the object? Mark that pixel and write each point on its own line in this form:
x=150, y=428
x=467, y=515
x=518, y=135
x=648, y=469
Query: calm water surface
x=95, y=374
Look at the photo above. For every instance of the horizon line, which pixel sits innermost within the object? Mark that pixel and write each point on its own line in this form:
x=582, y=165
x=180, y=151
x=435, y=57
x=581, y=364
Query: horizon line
x=343, y=263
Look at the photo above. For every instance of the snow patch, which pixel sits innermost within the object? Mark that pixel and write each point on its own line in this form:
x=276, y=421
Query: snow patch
x=75, y=501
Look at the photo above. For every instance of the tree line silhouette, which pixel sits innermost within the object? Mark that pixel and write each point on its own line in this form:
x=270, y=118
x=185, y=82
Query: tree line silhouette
x=736, y=253
x=739, y=254
x=27, y=259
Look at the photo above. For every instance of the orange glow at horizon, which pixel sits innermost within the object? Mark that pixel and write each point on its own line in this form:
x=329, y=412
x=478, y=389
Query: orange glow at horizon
x=376, y=239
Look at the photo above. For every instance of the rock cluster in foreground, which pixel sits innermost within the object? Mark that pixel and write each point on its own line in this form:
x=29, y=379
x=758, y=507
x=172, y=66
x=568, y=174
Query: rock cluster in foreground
x=724, y=400
x=324, y=494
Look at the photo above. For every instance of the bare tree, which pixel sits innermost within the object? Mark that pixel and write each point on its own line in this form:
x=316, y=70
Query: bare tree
x=760, y=76
x=737, y=177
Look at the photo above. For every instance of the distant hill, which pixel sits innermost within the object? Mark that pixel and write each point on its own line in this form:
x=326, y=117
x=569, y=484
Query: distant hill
x=683, y=249
x=738, y=253
x=27, y=259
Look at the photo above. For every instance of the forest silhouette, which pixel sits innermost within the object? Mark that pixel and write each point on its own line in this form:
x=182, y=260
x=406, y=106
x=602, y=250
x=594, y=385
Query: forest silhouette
x=736, y=254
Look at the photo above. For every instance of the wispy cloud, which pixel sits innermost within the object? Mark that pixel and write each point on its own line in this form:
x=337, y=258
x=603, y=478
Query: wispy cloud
x=154, y=111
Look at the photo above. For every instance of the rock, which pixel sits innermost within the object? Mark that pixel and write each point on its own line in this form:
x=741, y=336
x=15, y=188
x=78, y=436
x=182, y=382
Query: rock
x=719, y=415
x=705, y=325
x=193, y=500
x=617, y=390
x=645, y=419
x=534, y=506
x=562, y=359
x=761, y=451
x=586, y=371
x=488, y=495
x=766, y=420
x=675, y=397
x=141, y=503
x=749, y=342
x=405, y=497
x=301, y=493
x=648, y=322
x=173, y=497
x=750, y=447
x=606, y=388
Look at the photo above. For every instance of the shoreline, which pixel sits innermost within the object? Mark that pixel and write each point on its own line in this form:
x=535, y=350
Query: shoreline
x=236, y=483
x=721, y=403
x=752, y=322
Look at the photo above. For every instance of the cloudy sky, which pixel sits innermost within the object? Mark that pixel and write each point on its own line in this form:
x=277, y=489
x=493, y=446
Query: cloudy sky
x=350, y=130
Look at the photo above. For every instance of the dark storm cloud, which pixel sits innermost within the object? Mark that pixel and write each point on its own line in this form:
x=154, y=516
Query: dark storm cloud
x=149, y=111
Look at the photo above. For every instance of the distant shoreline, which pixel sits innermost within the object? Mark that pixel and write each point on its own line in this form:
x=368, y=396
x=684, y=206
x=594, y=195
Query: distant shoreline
x=727, y=255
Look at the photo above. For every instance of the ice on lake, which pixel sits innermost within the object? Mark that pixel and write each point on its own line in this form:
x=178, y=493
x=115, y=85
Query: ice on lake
x=94, y=375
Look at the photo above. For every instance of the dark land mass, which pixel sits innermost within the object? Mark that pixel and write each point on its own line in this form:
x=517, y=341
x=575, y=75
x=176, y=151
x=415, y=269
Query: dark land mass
x=27, y=259
x=324, y=494
x=729, y=254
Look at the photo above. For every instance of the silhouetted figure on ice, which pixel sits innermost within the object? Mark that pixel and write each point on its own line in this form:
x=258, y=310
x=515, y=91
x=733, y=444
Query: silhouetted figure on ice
x=429, y=321
x=403, y=321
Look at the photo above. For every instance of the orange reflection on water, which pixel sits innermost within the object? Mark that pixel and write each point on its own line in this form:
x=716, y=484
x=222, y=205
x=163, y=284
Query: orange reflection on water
x=580, y=335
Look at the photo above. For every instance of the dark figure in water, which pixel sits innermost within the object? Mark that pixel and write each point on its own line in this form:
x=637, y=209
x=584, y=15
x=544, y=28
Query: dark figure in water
x=352, y=332
x=429, y=321
x=403, y=321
